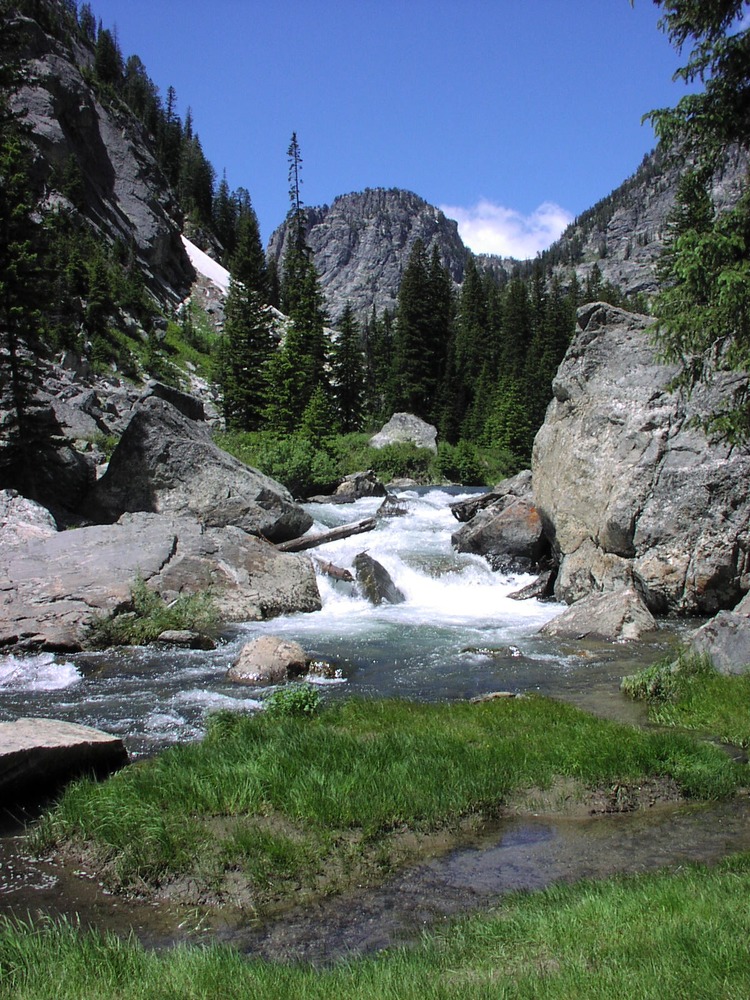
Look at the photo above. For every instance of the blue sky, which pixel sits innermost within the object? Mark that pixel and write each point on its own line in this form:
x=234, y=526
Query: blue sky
x=511, y=115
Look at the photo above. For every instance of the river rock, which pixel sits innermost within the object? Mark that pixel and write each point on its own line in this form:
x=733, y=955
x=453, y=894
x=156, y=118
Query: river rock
x=168, y=464
x=268, y=660
x=630, y=490
x=516, y=486
x=508, y=532
x=52, y=588
x=185, y=638
x=38, y=755
x=609, y=616
x=726, y=639
x=375, y=581
x=406, y=428
x=360, y=484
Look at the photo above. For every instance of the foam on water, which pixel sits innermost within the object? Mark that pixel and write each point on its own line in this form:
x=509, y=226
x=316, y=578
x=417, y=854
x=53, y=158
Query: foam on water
x=37, y=673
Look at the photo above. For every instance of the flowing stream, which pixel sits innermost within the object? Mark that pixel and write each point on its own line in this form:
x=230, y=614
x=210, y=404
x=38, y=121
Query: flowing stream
x=458, y=634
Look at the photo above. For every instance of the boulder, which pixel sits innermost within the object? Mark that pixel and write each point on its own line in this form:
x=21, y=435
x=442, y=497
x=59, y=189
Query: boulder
x=726, y=639
x=184, y=638
x=168, y=464
x=375, y=581
x=406, y=428
x=39, y=755
x=630, y=490
x=517, y=486
x=268, y=660
x=53, y=587
x=360, y=484
x=509, y=534
x=618, y=615
x=353, y=487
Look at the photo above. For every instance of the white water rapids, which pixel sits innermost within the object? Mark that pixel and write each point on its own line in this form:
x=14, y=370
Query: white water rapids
x=457, y=634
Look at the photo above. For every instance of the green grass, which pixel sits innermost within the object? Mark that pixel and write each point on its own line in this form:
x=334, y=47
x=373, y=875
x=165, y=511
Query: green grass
x=150, y=615
x=653, y=937
x=690, y=694
x=334, y=791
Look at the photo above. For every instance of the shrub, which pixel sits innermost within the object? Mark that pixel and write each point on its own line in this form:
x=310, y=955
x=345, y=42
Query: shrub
x=149, y=615
x=300, y=701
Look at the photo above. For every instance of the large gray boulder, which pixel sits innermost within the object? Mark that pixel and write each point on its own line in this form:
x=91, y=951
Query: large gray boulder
x=615, y=616
x=52, y=588
x=630, y=490
x=406, y=428
x=726, y=639
x=168, y=464
x=37, y=755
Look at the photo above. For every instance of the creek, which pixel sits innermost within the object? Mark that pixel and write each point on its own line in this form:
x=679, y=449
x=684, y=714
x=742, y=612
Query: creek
x=457, y=635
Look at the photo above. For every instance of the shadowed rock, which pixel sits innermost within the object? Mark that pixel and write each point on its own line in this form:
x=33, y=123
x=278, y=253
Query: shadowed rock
x=375, y=581
x=166, y=463
x=39, y=755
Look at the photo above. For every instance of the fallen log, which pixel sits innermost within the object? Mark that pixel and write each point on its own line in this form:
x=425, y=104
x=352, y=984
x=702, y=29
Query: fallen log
x=335, y=535
x=337, y=572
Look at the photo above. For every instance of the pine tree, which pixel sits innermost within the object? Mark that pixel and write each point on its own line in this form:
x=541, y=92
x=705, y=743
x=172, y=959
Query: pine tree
x=305, y=348
x=247, y=346
x=412, y=363
x=348, y=373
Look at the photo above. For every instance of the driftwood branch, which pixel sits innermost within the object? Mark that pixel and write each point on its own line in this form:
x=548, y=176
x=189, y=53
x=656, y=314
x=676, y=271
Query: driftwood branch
x=337, y=572
x=312, y=541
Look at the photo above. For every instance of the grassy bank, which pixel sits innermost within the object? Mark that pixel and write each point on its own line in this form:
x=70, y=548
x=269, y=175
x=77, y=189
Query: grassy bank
x=658, y=936
x=689, y=693
x=291, y=806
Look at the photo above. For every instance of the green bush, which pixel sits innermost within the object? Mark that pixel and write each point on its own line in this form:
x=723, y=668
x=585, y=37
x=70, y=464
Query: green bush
x=300, y=701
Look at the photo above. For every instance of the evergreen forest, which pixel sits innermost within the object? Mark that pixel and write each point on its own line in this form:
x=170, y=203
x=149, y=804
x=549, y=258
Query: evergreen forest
x=477, y=360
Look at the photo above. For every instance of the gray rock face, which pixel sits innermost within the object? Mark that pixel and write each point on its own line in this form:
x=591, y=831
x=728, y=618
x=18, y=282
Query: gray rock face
x=52, y=588
x=613, y=616
x=168, y=464
x=405, y=427
x=125, y=196
x=37, y=755
x=362, y=241
x=630, y=491
x=268, y=660
x=22, y=521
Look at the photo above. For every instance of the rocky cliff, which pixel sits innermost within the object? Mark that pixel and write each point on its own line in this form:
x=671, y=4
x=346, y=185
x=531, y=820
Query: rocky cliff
x=120, y=190
x=631, y=491
x=361, y=245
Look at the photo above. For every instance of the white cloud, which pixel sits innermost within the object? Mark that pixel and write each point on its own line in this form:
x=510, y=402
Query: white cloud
x=490, y=228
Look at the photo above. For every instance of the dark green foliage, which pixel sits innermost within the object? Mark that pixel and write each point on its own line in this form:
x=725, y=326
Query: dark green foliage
x=703, y=312
x=348, y=373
